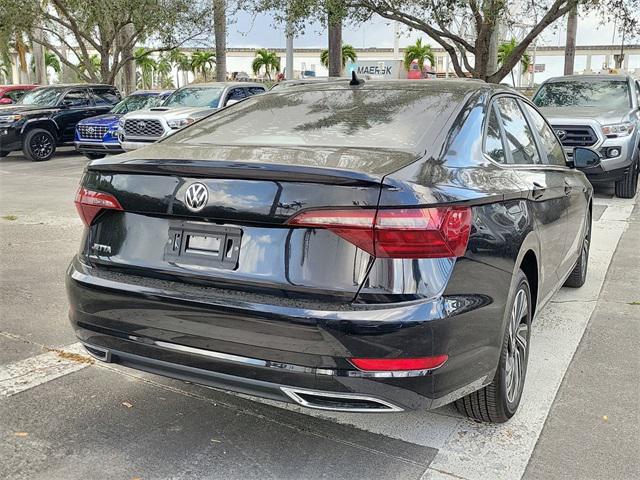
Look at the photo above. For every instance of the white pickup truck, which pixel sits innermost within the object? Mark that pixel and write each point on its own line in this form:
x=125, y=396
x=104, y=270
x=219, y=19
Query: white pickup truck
x=181, y=108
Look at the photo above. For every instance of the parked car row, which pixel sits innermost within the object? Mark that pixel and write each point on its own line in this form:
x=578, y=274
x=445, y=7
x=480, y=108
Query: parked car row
x=361, y=246
x=94, y=118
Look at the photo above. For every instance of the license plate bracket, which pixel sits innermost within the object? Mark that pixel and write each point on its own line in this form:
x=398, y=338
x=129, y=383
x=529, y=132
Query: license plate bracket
x=194, y=243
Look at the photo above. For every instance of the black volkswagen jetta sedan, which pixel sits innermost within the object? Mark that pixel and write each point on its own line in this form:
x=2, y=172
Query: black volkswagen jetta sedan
x=365, y=247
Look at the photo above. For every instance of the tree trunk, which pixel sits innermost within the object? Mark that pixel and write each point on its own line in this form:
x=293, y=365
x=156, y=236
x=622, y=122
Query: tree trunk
x=220, y=34
x=37, y=50
x=129, y=67
x=570, y=49
x=335, y=45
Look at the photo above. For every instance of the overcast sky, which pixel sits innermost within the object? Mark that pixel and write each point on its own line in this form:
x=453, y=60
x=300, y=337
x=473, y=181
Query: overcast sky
x=249, y=31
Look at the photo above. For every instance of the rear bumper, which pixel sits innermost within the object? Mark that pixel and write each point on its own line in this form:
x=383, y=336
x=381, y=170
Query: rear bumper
x=290, y=354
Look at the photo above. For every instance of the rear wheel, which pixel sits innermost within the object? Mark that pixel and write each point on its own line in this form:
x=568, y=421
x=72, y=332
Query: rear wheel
x=627, y=187
x=579, y=274
x=95, y=156
x=498, y=401
x=39, y=145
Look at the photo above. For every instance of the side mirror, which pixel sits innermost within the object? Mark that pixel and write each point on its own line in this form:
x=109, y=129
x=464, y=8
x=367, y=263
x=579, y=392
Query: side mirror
x=585, y=158
x=5, y=101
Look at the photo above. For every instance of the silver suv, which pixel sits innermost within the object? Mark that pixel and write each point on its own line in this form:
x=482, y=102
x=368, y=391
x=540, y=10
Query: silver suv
x=181, y=108
x=601, y=112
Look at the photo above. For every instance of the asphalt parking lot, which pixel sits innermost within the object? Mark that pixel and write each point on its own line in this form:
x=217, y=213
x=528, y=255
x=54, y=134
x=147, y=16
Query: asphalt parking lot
x=65, y=417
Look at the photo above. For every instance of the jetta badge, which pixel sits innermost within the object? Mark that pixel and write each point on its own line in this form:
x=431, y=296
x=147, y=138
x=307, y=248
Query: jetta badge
x=561, y=134
x=196, y=196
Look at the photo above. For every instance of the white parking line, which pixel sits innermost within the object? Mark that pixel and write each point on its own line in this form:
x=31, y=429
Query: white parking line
x=22, y=375
x=469, y=450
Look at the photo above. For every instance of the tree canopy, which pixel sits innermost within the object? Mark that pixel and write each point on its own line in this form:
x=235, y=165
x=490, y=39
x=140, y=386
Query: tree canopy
x=77, y=30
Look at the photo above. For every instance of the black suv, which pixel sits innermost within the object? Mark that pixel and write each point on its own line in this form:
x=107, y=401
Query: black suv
x=46, y=117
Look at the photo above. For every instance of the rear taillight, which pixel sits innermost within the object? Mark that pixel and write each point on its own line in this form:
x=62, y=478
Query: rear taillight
x=399, y=364
x=397, y=233
x=90, y=203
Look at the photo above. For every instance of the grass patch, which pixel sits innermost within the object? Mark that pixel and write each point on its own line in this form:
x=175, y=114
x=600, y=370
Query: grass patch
x=635, y=303
x=10, y=217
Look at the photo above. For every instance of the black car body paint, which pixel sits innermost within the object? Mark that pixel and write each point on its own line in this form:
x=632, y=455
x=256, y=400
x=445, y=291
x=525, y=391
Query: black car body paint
x=300, y=301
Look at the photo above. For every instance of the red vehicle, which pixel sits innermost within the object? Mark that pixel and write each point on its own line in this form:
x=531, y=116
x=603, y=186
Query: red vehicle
x=12, y=93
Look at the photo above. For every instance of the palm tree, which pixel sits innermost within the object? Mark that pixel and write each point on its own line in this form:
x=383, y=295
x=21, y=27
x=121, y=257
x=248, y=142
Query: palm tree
x=164, y=68
x=94, y=62
x=51, y=61
x=203, y=62
x=267, y=60
x=147, y=66
x=506, y=50
x=4, y=72
x=420, y=53
x=348, y=53
x=181, y=62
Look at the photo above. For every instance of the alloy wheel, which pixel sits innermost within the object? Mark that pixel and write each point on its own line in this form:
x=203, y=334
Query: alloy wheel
x=41, y=145
x=517, y=346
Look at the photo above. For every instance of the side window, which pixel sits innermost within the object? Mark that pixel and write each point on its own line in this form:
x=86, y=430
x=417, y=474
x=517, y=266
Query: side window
x=106, y=96
x=76, y=98
x=520, y=139
x=255, y=90
x=638, y=91
x=551, y=145
x=493, y=145
x=236, y=94
x=15, y=95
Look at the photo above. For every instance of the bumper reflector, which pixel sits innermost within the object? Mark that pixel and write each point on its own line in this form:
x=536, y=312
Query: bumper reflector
x=399, y=364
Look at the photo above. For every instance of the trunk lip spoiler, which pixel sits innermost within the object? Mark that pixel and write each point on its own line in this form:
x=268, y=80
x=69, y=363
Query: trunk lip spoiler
x=242, y=171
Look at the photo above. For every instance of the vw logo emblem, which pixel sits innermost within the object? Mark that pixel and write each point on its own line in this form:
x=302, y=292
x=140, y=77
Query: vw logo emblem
x=91, y=130
x=196, y=196
x=561, y=134
x=141, y=125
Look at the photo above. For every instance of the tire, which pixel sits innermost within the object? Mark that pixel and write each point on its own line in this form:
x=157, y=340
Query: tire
x=39, y=145
x=498, y=401
x=95, y=156
x=579, y=273
x=627, y=187
x=4, y=154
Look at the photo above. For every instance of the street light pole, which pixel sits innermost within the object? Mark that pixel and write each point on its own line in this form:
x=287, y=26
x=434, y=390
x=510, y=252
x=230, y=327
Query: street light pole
x=289, y=54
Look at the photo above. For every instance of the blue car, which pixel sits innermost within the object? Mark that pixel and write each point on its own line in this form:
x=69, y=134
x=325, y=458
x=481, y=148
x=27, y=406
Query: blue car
x=96, y=137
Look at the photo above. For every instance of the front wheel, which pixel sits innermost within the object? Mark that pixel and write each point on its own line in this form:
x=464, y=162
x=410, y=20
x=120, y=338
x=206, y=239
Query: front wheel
x=627, y=187
x=39, y=145
x=498, y=401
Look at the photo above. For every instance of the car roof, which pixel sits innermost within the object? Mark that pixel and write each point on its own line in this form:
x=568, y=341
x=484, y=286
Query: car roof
x=224, y=84
x=77, y=85
x=14, y=87
x=589, y=78
x=456, y=86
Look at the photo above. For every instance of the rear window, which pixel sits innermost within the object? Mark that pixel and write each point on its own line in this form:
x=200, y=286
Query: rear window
x=392, y=119
x=610, y=94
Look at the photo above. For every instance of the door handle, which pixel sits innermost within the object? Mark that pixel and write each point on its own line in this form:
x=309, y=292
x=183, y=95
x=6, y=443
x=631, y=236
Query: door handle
x=537, y=191
x=567, y=188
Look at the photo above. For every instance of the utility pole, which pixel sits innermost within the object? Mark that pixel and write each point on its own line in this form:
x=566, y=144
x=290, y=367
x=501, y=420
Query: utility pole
x=289, y=61
x=396, y=41
x=570, y=48
x=335, y=45
x=220, y=34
